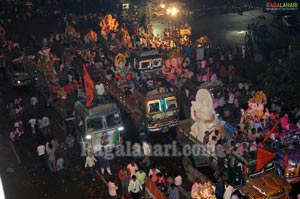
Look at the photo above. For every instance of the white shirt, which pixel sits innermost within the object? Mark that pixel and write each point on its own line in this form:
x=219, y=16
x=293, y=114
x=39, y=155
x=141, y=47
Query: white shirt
x=41, y=150
x=228, y=191
x=90, y=161
x=32, y=122
x=112, y=189
x=45, y=122
x=100, y=89
x=134, y=186
x=33, y=100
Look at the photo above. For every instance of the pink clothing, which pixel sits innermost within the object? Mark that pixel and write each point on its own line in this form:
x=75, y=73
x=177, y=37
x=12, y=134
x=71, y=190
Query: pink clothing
x=284, y=121
x=195, y=190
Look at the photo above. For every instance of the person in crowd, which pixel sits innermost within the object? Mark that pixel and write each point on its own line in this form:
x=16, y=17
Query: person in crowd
x=51, y=158
x=161, y=182
x=32, y=122
x=41, y=151
x=141, y=176
x=104, y=160
x=195, y=189
x=70, y=142
x=38, y=132
x=112, y=188
x=134, y=187
x=90, y=162
x=221, y=154
x=146, y=152
x=243, y=149
x=132, y=168
x=173, y=192
x=206, y=138
x=60, y=168
x=220, y=188
x=152, y=174
x=228, y=190
x=45, y=127
x=211, y=144
x=12, y=135
x=124, y=180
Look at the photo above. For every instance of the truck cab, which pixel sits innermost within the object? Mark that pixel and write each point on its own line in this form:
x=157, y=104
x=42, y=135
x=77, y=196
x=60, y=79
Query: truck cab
x=158, y=109
x=100, y=124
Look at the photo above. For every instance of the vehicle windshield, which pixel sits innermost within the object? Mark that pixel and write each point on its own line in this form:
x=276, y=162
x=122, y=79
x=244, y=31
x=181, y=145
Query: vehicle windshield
x=170, y=103
x=155, y=107
x=94, y=124
x=113, y=119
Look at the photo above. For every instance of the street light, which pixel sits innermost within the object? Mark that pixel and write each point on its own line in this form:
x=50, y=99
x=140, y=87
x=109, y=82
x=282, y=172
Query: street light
x=172, y=11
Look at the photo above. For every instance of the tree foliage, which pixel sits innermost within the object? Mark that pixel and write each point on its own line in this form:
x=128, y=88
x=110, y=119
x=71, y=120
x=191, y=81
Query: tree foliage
x=282, y=79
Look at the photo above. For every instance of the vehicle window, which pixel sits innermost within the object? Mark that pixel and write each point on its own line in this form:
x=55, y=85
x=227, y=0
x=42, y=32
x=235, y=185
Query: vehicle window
x=154, y=107
x=156, y=62
x=94, y=124
x=113, y=119
x=171, y=103
x=144, y=64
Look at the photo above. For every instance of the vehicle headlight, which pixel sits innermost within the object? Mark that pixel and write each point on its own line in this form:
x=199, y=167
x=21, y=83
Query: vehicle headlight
x=18, y=82
x=88, y=137
x=121, y=128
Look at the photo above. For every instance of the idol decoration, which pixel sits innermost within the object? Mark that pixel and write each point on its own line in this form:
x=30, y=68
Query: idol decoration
x=175, y=66
x=92, y=36
x=255, y=111
x=121, y=71
x=108, y=24
x=204, y=115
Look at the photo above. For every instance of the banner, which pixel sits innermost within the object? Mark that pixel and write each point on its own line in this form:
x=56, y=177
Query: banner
x=263, y=157
x=89, y=87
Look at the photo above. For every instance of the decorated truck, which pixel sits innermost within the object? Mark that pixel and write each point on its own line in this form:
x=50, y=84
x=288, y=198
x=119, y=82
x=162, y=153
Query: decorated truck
x=289, y=153
x=98, y=125
x=254, y=177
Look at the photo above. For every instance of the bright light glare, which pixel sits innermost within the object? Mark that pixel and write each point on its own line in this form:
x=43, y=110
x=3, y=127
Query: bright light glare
x=162, y=5
x=172, y=11
x=88, y=137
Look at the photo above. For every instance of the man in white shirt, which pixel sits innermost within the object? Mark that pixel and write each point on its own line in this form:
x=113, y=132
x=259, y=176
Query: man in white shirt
x=147, y=153
x=228, y=190
x=41, y=150
x=134, y=187
x=45, y=127
x=32, y=122
x=90, y=162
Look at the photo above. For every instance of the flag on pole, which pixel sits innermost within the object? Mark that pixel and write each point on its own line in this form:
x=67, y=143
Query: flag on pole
x=268, y=135
x=263, y=157
x=89, y=87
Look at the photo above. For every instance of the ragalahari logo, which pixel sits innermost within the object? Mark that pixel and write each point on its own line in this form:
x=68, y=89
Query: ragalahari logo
x=282, y=5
